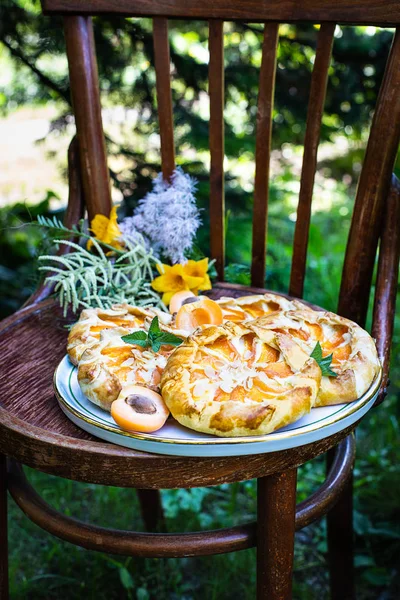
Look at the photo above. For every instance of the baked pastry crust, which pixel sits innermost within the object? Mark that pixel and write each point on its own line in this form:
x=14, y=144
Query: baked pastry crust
x=92, y=321
x=110, y=366
x=230, y=380
x=86, y=331
x=355, y=359
x=245, y=308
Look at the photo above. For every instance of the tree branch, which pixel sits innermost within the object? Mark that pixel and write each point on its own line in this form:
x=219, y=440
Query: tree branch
x=64, y=94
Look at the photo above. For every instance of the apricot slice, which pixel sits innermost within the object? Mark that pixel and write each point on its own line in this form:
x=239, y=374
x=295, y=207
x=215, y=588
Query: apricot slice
x=139, y=409
x=181, y=298
x=204, y=312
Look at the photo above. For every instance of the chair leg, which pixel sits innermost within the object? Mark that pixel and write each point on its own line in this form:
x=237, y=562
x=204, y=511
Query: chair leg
x=340, y=543
x=3, y=530
x=151, y=509
x=276, y=513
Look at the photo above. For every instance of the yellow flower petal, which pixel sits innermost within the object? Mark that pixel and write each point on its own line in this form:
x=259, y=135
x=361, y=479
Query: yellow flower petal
x=196, y=268
x=191, y=276
x=205, y=285
x=99, y=226
x=106, y=230
x=171, y=281
x=192, y=282
x=167, y=297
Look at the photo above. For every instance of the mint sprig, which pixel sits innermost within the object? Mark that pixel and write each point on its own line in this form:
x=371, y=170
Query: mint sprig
x=324, y=363
x=154, y=338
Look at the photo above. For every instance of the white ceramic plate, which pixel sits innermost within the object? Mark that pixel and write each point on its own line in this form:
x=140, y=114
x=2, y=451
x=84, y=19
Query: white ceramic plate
x=174, y=439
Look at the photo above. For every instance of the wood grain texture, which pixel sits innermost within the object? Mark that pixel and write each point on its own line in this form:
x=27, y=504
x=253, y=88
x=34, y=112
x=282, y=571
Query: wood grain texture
x=386, y=283
x=162, y=545
x=76, y=202
x=324, y=499
x=164, y=98
x=276, y=511
x=35, y=432
x=316, y=102
x=318, y=11
x=263, y=151
x=372, y=192
x=3, y=530
x=340, y=537
x=216, y=86
x=86, y=104
x=152, y=510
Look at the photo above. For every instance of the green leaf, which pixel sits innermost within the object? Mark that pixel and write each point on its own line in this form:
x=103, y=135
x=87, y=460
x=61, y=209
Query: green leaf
x=317, y=353
x=324, y=363
x=155, y=346
x=137, y=337
x=154, y=329
x=170, y=339
x=126, y=578
x=142, y=594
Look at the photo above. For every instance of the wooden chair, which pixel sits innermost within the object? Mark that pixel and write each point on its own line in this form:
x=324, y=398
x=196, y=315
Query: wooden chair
x=33, y=430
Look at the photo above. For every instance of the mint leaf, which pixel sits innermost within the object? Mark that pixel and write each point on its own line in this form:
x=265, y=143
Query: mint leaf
x=155, y=337
x=317, y=353
x=137, y=337
x=324, y=363
x=170, y=339
x=154, y=329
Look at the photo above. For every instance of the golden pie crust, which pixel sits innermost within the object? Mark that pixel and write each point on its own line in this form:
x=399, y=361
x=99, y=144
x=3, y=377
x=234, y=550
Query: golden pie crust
x=110, y=365
x=231, y=380
x=92, y=321
x=245, y=308
x=354, y=355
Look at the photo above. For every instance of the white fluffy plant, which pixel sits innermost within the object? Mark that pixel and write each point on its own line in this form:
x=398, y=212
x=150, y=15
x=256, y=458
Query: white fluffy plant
x=167, y=217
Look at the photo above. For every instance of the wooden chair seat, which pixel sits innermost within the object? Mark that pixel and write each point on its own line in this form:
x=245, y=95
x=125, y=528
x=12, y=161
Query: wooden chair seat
x=36, y=432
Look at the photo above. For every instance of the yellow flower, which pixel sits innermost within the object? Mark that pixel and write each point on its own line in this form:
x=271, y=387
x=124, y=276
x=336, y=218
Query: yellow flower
x=198, y=269
x=174, y=279
x=106, y=230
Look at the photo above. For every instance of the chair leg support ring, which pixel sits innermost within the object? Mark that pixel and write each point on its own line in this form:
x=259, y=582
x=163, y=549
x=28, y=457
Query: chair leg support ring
x=157, y=545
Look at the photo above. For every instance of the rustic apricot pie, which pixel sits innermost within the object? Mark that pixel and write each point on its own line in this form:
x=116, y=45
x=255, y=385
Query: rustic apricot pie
x=354, y=363
x=110, y=366
x=252, y=307
x=236, y=380
x=92, y=321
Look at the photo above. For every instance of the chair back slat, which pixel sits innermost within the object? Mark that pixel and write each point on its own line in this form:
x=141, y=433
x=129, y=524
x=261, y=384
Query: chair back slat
x=263, y=151
x=386, y=282
x=164, y=99
x=216, y=82
x=319, y=81
x=379, y=158
x=372, y=191
x=84, y=84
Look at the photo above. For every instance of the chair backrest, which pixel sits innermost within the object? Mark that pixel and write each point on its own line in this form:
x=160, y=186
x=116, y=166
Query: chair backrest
x=374, y=181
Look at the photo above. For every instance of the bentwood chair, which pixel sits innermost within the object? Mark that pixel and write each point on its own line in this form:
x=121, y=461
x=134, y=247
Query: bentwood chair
x=34, y=431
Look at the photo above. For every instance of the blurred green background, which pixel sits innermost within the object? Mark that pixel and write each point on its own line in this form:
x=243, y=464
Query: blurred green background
x=36, y=125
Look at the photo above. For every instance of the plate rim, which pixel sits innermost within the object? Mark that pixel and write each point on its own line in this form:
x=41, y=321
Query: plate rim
x=215, y=440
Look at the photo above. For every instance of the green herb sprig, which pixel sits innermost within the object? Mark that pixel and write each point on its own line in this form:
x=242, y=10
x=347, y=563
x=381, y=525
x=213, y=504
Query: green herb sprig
x=154, y=339
x=324, y=363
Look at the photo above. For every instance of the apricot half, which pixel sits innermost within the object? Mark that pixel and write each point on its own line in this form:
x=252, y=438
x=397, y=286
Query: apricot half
x=139, y=409
x=193, y=315
x=181, y=298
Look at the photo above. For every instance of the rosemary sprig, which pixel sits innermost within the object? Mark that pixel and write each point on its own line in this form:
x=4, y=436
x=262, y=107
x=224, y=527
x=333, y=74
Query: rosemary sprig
x=84, y=279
